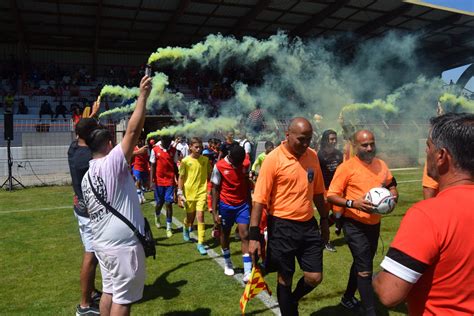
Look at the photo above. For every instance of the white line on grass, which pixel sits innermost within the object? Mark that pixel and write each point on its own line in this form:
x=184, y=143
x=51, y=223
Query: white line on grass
x=37, y=209
x=409, y=181
x=263, y=296
x=405, y=169
x=266, y=299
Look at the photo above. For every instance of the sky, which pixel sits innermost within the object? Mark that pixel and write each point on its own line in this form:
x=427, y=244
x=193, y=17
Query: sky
x=455, y=73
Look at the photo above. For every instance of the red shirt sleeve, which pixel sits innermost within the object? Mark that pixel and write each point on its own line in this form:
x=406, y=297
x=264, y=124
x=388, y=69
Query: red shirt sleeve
x=416, y=237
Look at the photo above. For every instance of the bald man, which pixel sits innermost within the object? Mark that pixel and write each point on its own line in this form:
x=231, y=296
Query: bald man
x=351, y=182
x=290, y=181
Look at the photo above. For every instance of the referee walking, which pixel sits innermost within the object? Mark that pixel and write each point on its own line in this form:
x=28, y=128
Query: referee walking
x=290, y=181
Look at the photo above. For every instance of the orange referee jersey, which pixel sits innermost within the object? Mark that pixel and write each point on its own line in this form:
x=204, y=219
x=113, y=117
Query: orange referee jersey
x=428, y=181
x=353, y=179
x=287, y=184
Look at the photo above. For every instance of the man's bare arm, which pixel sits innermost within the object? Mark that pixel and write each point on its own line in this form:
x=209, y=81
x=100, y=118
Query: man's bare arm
x=390, y=289
x=137, y=120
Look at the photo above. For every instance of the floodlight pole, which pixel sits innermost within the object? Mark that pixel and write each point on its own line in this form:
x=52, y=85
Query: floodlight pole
x=9, y=181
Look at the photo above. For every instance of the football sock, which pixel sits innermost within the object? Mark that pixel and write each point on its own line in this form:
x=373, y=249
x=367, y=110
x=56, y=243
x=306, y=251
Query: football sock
x=302, y=288
x=168, y=223
x=139, y=192
x=366, y=292
x=288, y=306
x=226, y=253
x=247, y=263
x=352, y=283
x=201, y=231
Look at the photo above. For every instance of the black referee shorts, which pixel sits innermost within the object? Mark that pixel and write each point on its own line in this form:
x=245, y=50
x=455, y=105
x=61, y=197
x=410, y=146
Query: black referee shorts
x=362, y=240
x=287, y=240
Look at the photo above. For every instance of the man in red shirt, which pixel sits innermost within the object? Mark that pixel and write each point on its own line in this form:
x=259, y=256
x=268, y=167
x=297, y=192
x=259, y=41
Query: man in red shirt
x=230, y=202
x=140, y=168
x=433, y=268
x=163, y=171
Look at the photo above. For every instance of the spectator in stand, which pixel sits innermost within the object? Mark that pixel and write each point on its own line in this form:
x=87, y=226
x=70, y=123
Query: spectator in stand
x=76, y=114
x=46, y=109
x=66, y=81
x=61, y=110
x=22, y=108
x=8, y=103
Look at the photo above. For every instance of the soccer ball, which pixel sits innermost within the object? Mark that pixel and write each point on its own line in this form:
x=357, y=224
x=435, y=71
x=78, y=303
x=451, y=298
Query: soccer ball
x=383, y=201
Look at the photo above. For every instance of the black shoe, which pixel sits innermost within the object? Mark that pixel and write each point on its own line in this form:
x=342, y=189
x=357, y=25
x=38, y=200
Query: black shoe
x=87, y=311
x=352, y=303
x=330, y=247
x=338, y=226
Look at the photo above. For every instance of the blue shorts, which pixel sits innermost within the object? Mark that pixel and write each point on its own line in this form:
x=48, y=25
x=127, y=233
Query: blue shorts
x=140, y=175
x=239, y=214
x=164, y=194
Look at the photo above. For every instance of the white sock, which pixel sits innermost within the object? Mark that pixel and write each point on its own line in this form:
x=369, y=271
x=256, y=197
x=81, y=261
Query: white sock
x=247, y=263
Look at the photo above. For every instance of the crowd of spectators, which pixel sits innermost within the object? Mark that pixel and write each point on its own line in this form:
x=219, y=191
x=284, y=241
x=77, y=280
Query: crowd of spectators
x=72, y=85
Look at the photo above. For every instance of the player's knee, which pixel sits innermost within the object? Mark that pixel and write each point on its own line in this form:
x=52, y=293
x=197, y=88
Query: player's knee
x=313, y=279
x=365, y=274
x=244, y=234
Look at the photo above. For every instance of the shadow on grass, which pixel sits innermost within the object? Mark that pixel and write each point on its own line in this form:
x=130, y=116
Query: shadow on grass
x=333, y=310
x=260, y=311
x=163, y=288
x=198, y=312
x=341, y=310
x=338, y=242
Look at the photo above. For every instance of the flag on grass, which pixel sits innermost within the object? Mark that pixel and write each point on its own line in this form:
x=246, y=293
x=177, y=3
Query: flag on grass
x=255, y=285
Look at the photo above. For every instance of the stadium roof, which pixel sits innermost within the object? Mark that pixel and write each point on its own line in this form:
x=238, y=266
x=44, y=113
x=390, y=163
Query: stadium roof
x=143, y=25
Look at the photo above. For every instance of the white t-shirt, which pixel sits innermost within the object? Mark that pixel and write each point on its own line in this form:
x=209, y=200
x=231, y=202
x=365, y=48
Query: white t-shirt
x=183, y=148
x=245, y=143
x=112, y=180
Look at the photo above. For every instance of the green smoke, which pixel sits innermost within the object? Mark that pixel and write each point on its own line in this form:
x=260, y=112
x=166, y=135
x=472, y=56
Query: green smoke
x=376, y=105
x=218, y=49
x=119, y=91
x=158, y=96
x=199, y=127
x=452, y=103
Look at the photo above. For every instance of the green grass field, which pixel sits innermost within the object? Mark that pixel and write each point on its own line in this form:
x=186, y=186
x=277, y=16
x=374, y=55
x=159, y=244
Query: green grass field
x=41, y=256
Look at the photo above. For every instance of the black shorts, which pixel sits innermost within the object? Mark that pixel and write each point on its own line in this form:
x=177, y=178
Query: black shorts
x=288, y=240
x=362, y=240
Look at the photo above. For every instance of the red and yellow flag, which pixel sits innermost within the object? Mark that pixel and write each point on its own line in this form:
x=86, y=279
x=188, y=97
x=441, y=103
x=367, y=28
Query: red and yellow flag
x=255, y=285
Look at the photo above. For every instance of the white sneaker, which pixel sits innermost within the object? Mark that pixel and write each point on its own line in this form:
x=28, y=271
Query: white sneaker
x=246, y=277
x=229, y=269
x=157, y=221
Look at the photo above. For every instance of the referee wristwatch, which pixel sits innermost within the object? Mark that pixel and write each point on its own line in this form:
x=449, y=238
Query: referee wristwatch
x=349, y=203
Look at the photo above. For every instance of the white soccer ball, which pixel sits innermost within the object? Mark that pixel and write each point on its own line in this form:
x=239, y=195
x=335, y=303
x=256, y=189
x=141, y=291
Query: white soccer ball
x=382, y=199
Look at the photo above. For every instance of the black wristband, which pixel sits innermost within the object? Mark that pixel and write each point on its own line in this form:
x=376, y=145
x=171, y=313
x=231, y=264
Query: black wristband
x=254, y=233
